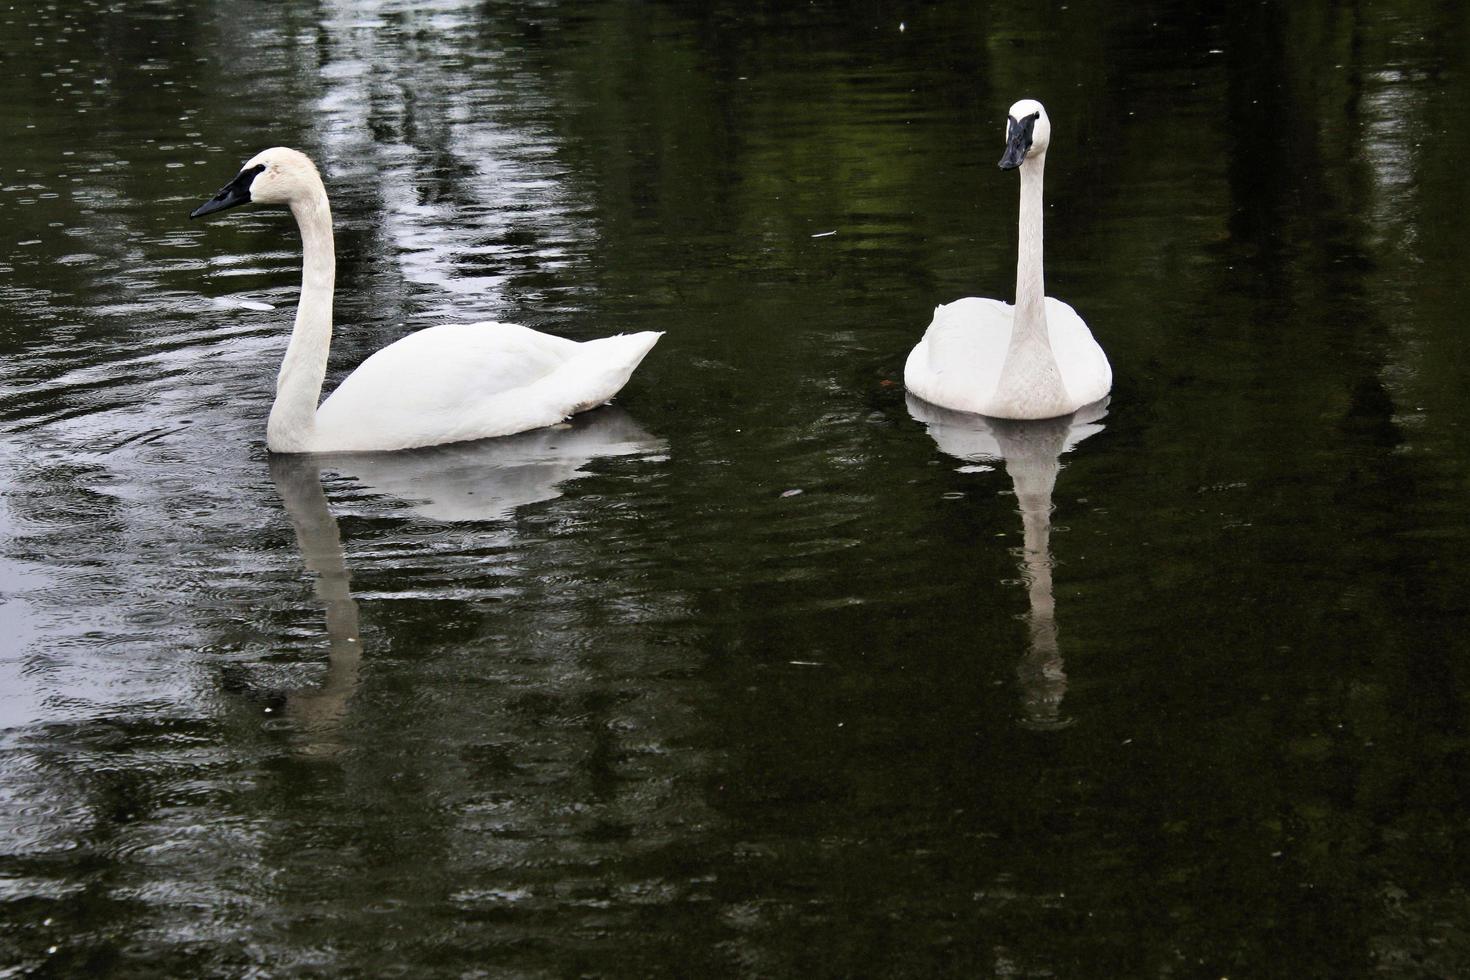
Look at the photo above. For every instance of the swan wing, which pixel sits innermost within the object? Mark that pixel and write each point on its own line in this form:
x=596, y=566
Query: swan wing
x=472, y=381
x=1084, y=367
x=957, y=364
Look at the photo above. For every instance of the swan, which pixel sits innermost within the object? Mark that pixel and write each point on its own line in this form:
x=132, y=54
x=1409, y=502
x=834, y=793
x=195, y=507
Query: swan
x=1034, y=360
x=449, y=383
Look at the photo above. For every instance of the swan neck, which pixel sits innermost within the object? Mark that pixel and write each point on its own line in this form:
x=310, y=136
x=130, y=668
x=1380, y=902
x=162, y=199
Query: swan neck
x=299, y=384
x=1030, y=283
x=1031, y=384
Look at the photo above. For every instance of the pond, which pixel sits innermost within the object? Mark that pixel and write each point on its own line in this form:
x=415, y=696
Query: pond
x=764, y=670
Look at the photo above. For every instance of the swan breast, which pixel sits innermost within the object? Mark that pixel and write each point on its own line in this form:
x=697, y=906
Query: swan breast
x=959, y=362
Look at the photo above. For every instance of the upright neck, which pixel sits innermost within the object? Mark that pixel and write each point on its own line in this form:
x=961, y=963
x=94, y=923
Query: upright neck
x=1030, y=382
x=299, y=384
x=1030, y=284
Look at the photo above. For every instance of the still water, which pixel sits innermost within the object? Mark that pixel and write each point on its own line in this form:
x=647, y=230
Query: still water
x=764, y=671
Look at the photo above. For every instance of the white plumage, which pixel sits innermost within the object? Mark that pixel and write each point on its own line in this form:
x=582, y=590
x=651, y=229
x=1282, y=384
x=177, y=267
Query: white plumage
x=472, y=381
x=1034, y=360
x=444, y=384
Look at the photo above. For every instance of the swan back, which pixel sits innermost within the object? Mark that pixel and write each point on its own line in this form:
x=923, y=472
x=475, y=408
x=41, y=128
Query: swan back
x=458, y=382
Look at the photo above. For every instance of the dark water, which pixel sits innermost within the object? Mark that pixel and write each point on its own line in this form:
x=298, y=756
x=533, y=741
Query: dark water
x=612, y=700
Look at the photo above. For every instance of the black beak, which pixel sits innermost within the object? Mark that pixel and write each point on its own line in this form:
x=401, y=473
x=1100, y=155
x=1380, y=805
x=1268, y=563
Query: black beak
x=1018, y=141
x=235, y=192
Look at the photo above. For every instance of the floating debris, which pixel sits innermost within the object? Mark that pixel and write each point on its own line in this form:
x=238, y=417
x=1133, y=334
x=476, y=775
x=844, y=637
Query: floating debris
x=231, y=302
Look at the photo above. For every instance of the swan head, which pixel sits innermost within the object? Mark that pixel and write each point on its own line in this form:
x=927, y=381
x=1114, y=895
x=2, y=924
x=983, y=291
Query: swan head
x=1028, y=131
x=279, y=175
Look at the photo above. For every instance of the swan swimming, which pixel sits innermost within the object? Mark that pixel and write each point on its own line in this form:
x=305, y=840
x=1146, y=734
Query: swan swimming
x=1033, y=360
x=448, y=383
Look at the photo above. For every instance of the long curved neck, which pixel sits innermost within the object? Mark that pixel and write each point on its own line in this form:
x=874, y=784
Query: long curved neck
x=299, y=384
x=1030, y=382
x=1030, y=284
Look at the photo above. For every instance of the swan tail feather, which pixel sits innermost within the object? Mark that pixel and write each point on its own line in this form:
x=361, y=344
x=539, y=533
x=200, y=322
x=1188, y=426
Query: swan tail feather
x=602, y=367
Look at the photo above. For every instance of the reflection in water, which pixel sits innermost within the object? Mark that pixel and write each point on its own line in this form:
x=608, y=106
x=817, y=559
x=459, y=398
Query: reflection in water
x=485, y=480
x=1032, y=452
x=298, y=481
x=573, y=743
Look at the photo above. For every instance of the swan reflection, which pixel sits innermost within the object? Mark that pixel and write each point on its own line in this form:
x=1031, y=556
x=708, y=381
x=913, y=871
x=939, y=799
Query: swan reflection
x=490, y=479
x=479, y=481
x=1032, y=454
x=320, y=710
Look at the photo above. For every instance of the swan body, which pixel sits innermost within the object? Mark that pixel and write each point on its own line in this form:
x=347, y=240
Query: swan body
x=480, y=380
x=959, y=363
x=1033, y=360
x=444, y=384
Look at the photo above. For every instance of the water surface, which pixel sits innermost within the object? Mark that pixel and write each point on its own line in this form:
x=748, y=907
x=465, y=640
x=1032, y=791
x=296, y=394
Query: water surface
x=764, y=672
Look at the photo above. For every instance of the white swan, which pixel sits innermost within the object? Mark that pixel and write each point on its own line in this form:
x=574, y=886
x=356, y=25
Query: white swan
x=443, y=384
x=1034, y=360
